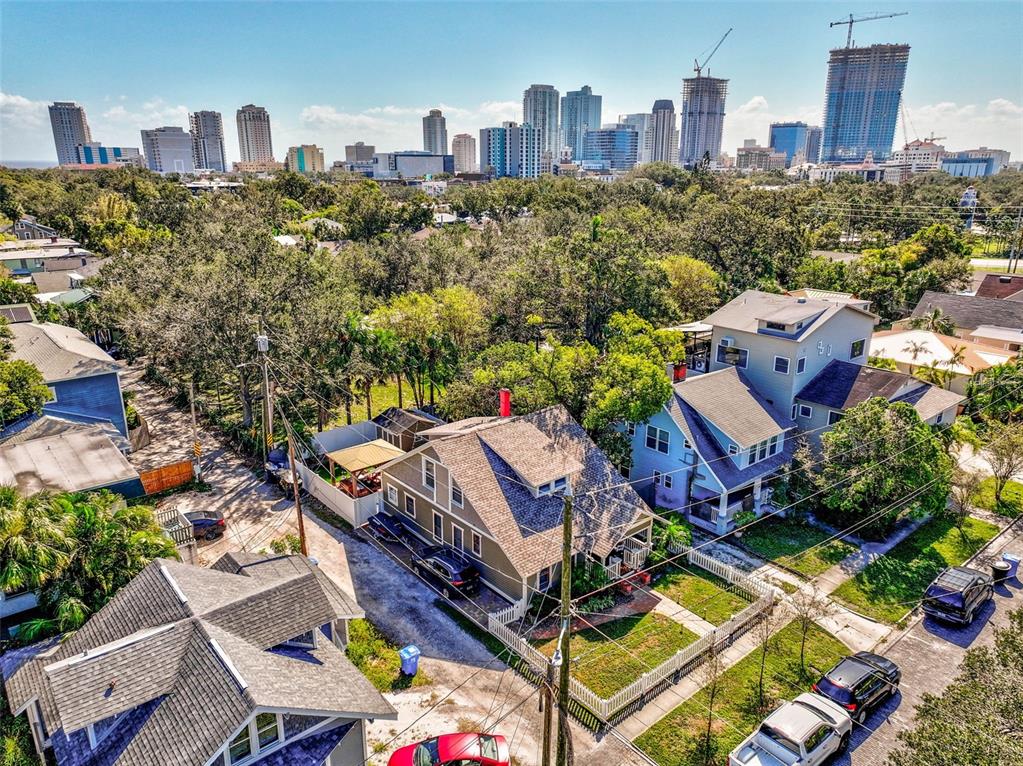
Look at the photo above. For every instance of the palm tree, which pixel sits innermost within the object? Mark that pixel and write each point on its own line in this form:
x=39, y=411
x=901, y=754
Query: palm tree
x=915, y=349
x=934, y=320
x=934, y=375
x=957, y=358
x=33, y=544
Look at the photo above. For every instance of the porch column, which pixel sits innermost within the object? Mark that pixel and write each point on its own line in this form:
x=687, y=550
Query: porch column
x=722, y=520
x=757, y=494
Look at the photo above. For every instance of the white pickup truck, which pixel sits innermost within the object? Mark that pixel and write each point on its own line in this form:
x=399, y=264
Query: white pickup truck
x=805, y=732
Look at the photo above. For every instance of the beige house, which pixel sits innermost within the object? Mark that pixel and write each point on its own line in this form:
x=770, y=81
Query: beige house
x=492, y=487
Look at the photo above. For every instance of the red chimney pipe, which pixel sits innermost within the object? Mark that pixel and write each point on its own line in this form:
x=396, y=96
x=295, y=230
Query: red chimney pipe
x=505, y=397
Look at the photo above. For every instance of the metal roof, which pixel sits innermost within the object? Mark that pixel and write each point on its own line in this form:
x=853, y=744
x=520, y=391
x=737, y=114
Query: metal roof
x=363, y=456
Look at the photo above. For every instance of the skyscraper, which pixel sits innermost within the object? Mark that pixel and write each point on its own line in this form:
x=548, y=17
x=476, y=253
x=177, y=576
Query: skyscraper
x=435, y=133
x=814, y=134
x=70, y=128
x=168, y=150
x=612, y=147
x=463, y=146
x=789, y=138
x=664, y=136
x=510, y=150
x=861, y=102
x=540, y=109
x=359, y=152
x=307, y=158
x=703, y=118
x=580, y=111
x=207, y=130
x=643, y=123
x=254, y=142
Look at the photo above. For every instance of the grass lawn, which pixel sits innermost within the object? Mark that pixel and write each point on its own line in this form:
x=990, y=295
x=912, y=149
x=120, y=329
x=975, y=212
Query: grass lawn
x=383, y=395
x=702, y=593
x=891, y=585
x=378, y=659
x=678, y=738
x=1012, y=498
x=782, y=540
x=605, y=666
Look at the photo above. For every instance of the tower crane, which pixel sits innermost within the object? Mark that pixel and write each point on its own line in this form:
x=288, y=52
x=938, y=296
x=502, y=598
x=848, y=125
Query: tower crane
x=697, y=66
x=856, y=19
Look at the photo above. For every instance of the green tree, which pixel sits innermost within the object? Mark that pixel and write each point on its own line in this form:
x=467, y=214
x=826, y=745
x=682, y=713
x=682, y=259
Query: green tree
x=996, y=394
x=934, y=320
x=693, y=287
x=33, y=543
x=22, y=388
x=15, y=292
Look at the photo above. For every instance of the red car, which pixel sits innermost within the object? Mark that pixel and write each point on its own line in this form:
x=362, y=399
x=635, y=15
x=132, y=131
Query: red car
x=454, y=750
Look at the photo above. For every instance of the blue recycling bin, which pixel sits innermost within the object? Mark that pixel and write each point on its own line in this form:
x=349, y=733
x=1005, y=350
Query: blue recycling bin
x=409, y=659
x=1013, y=561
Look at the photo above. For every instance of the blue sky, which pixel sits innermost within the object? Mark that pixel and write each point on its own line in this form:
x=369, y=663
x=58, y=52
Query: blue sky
x=334, y=72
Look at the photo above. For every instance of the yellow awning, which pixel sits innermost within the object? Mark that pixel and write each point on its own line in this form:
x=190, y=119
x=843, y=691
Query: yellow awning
x=363, y=456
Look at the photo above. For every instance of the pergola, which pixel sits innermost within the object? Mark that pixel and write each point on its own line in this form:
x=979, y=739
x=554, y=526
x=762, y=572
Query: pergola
x=359, y=461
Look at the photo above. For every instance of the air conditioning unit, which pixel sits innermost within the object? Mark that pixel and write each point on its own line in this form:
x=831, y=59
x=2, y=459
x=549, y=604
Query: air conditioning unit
x=699, y=365
x=728, y=340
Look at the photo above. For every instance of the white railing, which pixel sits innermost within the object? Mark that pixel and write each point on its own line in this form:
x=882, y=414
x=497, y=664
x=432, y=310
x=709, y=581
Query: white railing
x=509, y=614
x=635, y=558
x=614, y=569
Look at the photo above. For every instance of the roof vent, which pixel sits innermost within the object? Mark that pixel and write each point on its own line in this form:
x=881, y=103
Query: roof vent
x=800, y=300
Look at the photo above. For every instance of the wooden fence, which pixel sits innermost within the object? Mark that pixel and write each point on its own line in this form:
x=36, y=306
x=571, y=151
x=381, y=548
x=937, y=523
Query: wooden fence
x=166, y=477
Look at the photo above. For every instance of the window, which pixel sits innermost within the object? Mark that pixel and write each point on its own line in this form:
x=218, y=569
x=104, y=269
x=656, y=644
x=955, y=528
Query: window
x=543, y=580
x=53, y=393
x=733, y=450
x=438, y=527
x=775, y=326
x=429, y=474
x=814, y=740
x=477, y=544
x=657, y=477
x=544, y=489
x=801, y=365
x=631, y=429
x=457, y=538
x=793, y=412
x=737, y=357
x=306, y=641
x=937, y=420
x=410, y=506
x=834, y=417
x=560, y=483
x=667, y=481
x=456, y=495
x=657, y=439
x=857, y=348
x=240, y=747
x=267, y=731
x=686, y=444
x=392, y=495
x=781, y=365
x=805, y=411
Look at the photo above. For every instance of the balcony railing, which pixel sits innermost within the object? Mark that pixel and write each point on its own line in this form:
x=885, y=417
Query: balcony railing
x=175, y=525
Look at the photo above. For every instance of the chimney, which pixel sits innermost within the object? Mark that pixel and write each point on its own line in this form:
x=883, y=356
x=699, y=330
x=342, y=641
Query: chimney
x=505, y=398
x=53, y=239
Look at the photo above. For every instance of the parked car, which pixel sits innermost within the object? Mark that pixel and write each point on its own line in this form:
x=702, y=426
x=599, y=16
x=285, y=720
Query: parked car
x=860, y=683
x=447, y=569
x=804, y=732
x=463, y=749
x=386, y=527
x=207, y=525
x=957, y=593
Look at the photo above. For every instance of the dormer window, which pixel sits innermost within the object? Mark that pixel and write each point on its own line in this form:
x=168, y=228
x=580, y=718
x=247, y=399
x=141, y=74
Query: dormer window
x=305, y=641
x=560, y=484
x=776, y=326
x=98, y=731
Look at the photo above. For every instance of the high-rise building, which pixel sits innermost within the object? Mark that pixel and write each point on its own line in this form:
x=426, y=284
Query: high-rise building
x=814, y=135
x=1000, y=156
x=168, y=150
x=794, y=138
x=94, y=153
x=70, y=128
x=861, y=102
x=580, y=111
x=510, y=150
x=703, y=118
x=751, y=156
x=540, y=109
x=359, y=152
x=207, y=130
x=643, y=124
x=612, y=147
x=435, y=133
x=664, y=135
x=254, y=142
x=463, y=146
x=307, y=158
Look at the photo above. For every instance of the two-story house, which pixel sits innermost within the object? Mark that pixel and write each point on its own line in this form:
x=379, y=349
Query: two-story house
x=491, y=488
x=243, y=663
x=84, y=380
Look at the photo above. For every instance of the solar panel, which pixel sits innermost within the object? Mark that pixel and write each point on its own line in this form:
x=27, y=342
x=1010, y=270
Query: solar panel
x=16, y=313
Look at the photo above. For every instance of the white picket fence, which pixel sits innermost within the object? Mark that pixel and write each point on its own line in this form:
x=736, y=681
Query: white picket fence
x=633, y=696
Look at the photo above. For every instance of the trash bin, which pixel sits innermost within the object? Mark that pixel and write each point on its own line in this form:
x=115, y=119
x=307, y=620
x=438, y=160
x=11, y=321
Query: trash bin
x=1013, y=561
x=409, y=660
x=1000, y=570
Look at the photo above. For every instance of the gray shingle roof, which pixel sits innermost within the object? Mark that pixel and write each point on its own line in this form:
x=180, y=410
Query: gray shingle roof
x=157, y=642
x=60, y=353
x=729, y=401
x=745, y=311
x=969, y=312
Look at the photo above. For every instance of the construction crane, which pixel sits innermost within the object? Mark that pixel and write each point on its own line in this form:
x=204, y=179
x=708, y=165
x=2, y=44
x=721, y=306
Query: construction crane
x=697, y=66
x=856, y=19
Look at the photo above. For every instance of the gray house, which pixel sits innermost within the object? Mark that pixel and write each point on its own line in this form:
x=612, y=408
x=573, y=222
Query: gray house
x=996, y=322
x=185, y=666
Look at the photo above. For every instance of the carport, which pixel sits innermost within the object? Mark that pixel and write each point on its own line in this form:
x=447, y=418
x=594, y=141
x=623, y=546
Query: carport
x=360, y=462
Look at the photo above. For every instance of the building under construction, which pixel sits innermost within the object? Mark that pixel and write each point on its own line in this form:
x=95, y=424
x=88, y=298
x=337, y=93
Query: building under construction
x=703, y=119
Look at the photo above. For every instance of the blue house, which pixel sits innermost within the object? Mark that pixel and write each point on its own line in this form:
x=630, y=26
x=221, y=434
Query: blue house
x=710, y=448
x=84, y=380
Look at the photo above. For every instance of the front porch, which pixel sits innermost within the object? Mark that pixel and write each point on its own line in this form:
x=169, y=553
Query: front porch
x=714, y=510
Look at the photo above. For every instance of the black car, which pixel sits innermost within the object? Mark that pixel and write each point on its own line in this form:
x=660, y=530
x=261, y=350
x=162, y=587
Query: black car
x=386, y=527
x=447, y=569
x=860, y=683
x=957, y=593
x=206, y=525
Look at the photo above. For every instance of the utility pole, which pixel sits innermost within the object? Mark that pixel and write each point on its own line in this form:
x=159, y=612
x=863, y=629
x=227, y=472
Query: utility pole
x=564, y=733
x=294, y=486
x=1015, y=243
x=547, y=704
x=196, y=444
x=262, y=346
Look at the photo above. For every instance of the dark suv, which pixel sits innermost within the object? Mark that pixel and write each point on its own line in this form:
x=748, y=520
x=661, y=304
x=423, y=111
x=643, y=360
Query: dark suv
x=957, y=593
x=860, y=683
x=386, y=527
x=206, y=525
x=447, y=569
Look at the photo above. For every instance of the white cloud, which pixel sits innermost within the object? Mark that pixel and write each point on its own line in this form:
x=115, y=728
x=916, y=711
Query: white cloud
x=154, y=113
x=20, y=112
x=753, y=120
x=997, y=124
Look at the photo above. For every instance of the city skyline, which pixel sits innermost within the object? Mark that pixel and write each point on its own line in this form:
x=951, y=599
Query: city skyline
x=122, y=96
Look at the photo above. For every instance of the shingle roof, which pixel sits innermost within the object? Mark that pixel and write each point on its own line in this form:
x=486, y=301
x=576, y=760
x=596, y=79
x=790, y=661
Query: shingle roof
x=41, y=426
x=968, y=312
x=745, y=311
x=1000, y=286
x=534, y=457
x=397, y=419
x=729, y=401
x=161, y=643
x=841, y=385
x=60, y=353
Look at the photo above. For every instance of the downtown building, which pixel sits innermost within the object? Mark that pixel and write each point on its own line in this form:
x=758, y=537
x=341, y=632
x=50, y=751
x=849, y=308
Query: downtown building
x=435, y=133
x=511, y=150
x=70, y=129
x=207, y=129
x=168, y=150
x=254, y=144
x=613, y=148
x=359, y=152
x=703, y=119
x=307, y=158
x=861, y=102
x=642, y=123
x=663, y=134
x=751, y=156
x=795, y=140
x=580, y=111
x=463, y=147
x=540, y=109
x=94, y=154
